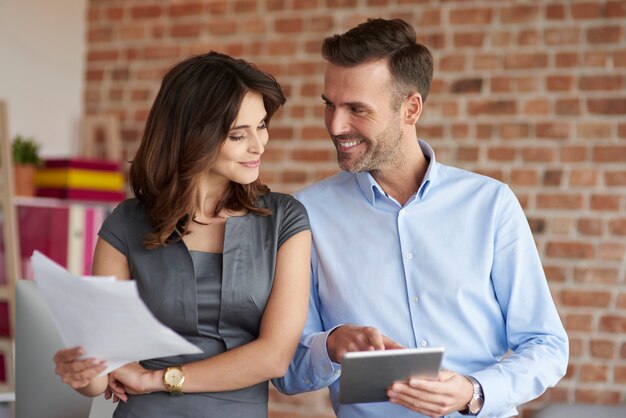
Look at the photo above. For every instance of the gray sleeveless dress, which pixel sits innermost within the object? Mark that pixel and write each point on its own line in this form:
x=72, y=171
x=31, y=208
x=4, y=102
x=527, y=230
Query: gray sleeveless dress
x=215, y=301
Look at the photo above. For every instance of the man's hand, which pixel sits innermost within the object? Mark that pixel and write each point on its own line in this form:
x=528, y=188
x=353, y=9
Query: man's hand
x=348, y=338
x=450, y=392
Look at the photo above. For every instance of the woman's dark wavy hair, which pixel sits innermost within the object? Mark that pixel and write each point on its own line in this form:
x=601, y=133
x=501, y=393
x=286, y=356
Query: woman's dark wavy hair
x=195, y=108
x=410, y=63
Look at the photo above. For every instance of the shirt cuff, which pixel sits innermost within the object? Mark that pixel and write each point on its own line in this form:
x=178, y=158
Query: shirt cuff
x=323, y=366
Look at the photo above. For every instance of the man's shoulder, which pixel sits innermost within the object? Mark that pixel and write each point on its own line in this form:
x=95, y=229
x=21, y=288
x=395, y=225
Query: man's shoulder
x=448, y=173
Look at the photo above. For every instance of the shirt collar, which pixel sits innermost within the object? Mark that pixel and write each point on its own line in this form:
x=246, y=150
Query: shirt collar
x=371, y=189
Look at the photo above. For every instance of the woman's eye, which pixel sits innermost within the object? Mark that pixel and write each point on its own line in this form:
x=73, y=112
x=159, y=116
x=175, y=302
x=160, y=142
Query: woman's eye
x=236, y=137
x=262, y=126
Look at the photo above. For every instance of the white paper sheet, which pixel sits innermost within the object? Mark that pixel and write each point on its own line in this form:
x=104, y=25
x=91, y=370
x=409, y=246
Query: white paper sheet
x=104, y=316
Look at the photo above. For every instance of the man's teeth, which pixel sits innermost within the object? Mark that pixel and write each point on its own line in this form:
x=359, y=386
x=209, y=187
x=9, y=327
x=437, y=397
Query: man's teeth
x=350, y=144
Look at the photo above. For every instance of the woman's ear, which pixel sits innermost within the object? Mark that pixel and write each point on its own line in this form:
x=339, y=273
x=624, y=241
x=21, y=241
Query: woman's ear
x=413, y=108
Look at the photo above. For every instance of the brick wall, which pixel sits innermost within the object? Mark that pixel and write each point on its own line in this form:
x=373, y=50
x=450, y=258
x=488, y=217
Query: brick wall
x=530, y=92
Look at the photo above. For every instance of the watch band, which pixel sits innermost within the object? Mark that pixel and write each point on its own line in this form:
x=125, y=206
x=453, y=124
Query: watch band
x=476, y=402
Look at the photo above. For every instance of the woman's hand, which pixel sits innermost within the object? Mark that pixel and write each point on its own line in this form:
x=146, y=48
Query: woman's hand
x=134, y=380
x=77, y=372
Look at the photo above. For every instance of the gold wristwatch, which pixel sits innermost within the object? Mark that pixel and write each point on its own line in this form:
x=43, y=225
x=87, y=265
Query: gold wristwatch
x=173, y=379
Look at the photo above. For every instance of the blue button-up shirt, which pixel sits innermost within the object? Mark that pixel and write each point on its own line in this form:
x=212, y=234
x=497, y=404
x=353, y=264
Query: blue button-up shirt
x=456, y=266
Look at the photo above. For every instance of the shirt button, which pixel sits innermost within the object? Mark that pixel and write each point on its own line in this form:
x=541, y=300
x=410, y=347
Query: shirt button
x=415, y=299
x=409, y=255
x=423, y=343
x=402, y=212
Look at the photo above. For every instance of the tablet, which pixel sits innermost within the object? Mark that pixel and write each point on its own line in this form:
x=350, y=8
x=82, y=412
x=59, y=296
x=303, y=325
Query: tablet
x=366, y=375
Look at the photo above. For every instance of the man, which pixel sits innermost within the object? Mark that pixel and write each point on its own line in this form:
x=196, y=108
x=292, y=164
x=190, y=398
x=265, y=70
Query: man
x=409, y=252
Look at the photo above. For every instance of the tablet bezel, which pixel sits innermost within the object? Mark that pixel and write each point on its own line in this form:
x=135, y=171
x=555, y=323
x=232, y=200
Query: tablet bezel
x=366, y=375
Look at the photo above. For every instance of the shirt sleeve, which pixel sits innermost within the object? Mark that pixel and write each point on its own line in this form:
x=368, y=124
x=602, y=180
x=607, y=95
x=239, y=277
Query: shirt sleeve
x=294, y=220
x=311, y=368
x=113, y=230
x=536, y=337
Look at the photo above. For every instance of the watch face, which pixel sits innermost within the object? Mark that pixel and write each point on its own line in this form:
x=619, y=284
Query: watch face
x=173, y=376
x=475, y=405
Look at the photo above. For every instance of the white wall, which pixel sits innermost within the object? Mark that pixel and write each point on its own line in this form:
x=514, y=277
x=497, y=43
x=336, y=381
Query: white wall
x=42, y=48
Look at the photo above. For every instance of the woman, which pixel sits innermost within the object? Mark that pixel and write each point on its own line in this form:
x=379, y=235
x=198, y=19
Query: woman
x=216, y=256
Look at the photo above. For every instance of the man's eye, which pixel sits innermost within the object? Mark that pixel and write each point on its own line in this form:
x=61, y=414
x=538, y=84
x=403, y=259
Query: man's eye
x=329, y=105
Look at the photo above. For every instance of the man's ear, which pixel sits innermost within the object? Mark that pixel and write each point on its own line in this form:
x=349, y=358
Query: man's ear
x=413, y=108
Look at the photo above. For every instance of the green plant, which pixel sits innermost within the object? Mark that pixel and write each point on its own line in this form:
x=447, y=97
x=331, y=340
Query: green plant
x=25, y=150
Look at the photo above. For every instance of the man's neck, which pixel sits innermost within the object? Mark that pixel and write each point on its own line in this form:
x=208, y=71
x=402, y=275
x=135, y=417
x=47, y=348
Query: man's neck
x=402, y=181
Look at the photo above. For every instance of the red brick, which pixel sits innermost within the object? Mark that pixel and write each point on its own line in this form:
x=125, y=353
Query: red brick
x=320, y=24
x=619, y=58
x=294, y=176
x=621, y=301
x=103, y=55
x=593, y=373
x=598, y=299
x=586, y=10
x=529, y=37
x=454, y=62
x=609, y=154
x=555, y=12
x=314, y=132
x=587, y=226
x=288, y=25
x=244, y=6
x=223, y=27
x=191, y=8
x=621, y=130
x=492, y=107
x=561, y=36
x=161, y=52
x=595, y=59
x=341, y=3
x=570, y=249
x=560, y=82
x=185, y=31
x=555, y=273
x=467, y=154
x=215, y=7
x=524, y=177
x=467, y=85
x=612, y=106
x=281, y=132
x=594, y=130
x=567, y=59
x=501, y=153
x=552, y=130
x=538, y=154
x=600, y=275
x=486, y=61
x=284, y=47
x=312, y=155
x=430, y=18
x=567, y=107
x=602, y=348
x=583, y=177
x=552, y=177
x=601, y=82
x=145, y=12
x=617, y=226
x=573, y=154
x=478, y=16
x=611, y=251
x=306, y=4
x=620, y=374
x=514, y=130
x=603, y=396
x=615, y=178
x=605, y=202
x=616, y=9
x=613, y=323
x=537, y=107
x=519, y=14
x=525, y=61
x=578, y=322
x=604, y=34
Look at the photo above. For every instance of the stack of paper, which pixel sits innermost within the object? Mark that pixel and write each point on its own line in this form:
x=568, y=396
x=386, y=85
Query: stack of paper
x=105, y=316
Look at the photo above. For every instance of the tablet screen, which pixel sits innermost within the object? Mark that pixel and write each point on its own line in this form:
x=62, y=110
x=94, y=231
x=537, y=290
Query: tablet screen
x=366, y=375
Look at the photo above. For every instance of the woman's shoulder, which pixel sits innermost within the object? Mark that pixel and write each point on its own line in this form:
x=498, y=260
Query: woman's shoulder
x=280, y=201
